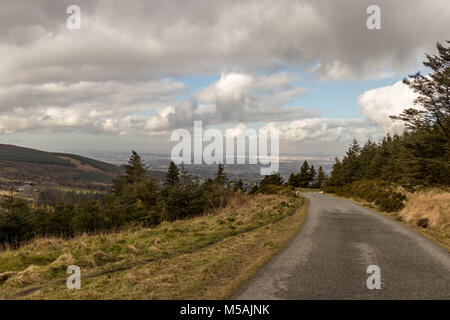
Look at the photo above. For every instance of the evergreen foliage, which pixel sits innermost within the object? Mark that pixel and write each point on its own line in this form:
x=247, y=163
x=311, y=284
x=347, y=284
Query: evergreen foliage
x=172, y=176
x=135, y=198
x=420, y=156
x=304, y=178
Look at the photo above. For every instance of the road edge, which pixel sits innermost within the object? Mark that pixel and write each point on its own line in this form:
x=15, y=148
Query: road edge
x=238, y=283
x=410, y=226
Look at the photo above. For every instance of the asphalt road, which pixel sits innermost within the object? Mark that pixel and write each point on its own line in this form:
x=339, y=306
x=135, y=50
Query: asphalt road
x=329, y=257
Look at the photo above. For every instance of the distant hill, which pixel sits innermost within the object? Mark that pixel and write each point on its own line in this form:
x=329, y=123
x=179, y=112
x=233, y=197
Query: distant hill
x=19, y=164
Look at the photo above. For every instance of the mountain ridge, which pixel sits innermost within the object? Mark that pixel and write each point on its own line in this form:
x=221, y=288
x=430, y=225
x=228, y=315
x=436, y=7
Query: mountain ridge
x=19, y=164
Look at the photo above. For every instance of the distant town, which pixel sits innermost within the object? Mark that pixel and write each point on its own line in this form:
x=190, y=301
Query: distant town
x=250, y=174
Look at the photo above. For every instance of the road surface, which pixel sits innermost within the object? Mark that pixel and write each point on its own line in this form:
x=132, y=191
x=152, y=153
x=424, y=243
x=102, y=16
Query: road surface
x=329, y=257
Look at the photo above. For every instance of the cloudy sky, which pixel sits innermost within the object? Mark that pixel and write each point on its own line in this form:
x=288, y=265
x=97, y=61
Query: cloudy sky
x=137, y=70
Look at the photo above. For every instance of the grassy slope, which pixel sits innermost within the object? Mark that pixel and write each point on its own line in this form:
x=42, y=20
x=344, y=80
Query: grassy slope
x=205, y=257
x=434, y=205
x=20, y=154
x=104, y=166
x=45, y=168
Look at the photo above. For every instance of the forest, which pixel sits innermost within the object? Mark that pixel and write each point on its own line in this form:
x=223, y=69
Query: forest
x=134, y=198
x=420, y=157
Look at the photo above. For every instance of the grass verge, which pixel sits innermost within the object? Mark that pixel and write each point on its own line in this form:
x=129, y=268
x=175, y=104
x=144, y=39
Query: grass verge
x=207, y=257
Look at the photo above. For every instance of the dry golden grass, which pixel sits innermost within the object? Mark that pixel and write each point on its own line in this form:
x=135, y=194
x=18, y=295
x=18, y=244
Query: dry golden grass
x=432, y=204
x=6, y=193
x=201, y=258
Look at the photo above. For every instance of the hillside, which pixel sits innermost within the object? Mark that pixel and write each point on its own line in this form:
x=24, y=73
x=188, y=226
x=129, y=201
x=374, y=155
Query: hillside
x=206, y=257
x=19, y=164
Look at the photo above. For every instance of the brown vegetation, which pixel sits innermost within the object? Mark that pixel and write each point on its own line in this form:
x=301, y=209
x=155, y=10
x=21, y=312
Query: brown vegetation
x=430, y=204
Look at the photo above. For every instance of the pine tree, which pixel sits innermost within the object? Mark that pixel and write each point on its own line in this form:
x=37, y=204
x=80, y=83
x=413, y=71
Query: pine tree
x=367, y=154
x=270, y=183
x=337, y=176
x=434, y=96
x=172, y=175
x=311, y=174
x=428, y=127
x=135, y=169
x=294, y=180
x=272, y=179
x=321, y=177
x=15, y=220
x=304, y=175
x=350, y=163
x=221, y=177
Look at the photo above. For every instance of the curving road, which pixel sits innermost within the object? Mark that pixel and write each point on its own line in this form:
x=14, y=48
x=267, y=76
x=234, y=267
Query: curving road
x=329, y=257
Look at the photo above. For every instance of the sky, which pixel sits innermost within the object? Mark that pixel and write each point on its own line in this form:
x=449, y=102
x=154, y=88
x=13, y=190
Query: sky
x=137, y=70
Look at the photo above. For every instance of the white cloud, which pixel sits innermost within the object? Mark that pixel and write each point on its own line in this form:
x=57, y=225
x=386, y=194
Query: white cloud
x=239, y=131
x=146, y=107
x=241, y=97
x=85, y=106
x=378, y=104
x=326, y=130
x=317, y=130
x=338, y=70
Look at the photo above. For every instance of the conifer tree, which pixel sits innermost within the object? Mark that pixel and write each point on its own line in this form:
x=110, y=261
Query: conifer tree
x=221, y=177
x=172, y=175
x=274, y=179
x=15, y=221
x=304, y=175
x=136, y=170
x=311, y=174
x=351, y=167
x=336, y=177
x=321, y=177
x=294, y=180
x=434, y=96
x=428, y=127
